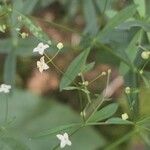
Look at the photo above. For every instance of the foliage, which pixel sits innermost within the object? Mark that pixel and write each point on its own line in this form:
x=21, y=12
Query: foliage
x=118, y=35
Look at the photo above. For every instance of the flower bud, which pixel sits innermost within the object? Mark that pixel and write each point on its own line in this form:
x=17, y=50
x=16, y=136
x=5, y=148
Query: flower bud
x=145, y=54
x=127, y=90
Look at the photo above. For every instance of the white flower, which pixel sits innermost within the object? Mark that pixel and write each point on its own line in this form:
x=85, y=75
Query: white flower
x=41, y=65
x=5, y=88
x=124, y=116
x=41, y=48
x=60, y=45
x=64, y=140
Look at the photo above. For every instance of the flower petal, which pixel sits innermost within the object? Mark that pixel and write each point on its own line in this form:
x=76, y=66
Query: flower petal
x=62, y=144
x=68, y=142
x=36, y=49
x=46, y=46
x=45, y=67
x=41, y=51
x=60, y=137
x=66, y=135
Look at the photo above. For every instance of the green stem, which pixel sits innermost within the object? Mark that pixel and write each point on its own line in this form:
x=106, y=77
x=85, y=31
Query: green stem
x=53, y=56
x=57, y=68
x=100, y=75
x=6, y=110
x=97, y=43
x=120, y=141
x=85, y=87
x=60, y=26
x=103, y=98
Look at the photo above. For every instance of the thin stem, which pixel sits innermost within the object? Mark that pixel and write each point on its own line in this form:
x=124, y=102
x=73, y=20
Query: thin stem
x=6, y=110
x=100, y=75
x=58, y=69
x=104, y=7
x=54, y=56
x=2, y=15
x=119, y=141
x=103, y=98
x=145, y=64
x=81, y=105
x=87, y=94
x=143, y=48
x=60, y=26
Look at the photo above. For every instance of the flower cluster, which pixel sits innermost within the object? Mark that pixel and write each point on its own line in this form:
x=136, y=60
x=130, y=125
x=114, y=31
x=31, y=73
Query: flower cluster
x=41, y=64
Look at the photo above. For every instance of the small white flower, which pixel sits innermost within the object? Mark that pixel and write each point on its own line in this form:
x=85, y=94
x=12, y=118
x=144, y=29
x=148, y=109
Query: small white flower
x=41, y=48
x=60, y=45
x=64, y=140
x=124, y=116
x=41, y=65
x=5, y=88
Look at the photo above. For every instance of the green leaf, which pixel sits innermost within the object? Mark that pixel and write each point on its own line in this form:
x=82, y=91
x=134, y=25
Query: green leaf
x=75, y=88
x=104, y=113
x=76, y=66
x=104, y=5
x=28, y=6
x=120, y=17
x=90, y=18
x=5, y=45
x=141, y=7
x=35, y=115
x=88, y=67
x=10, y=68
x=45, y=3
x=135, y=23
x=118, y=121
x=12, y=144
x=35, y=30
x=131, y=52
x=57, y=129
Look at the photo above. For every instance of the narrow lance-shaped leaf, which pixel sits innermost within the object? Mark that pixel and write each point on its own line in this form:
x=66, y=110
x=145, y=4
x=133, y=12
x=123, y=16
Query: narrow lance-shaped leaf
x=13, y=144
x=144, y=24
x=118, y=121
x=141, y=7
x=76, y=66
x=104, y=113
x=131, y=52
x=36, y=31
x=120, y=17
x=57, y=129
x=88, y=67
x=90, y=18
x=10, y=68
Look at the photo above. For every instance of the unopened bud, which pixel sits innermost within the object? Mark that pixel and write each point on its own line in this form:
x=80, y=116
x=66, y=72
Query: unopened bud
x=127, y=90
x=145, y=55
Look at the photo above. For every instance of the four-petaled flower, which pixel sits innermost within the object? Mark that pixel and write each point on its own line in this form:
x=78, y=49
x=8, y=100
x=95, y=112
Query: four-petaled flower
x=41, y=65
x=41, y=48
x=124, y=116
x=64, y=140
x=5, y=88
